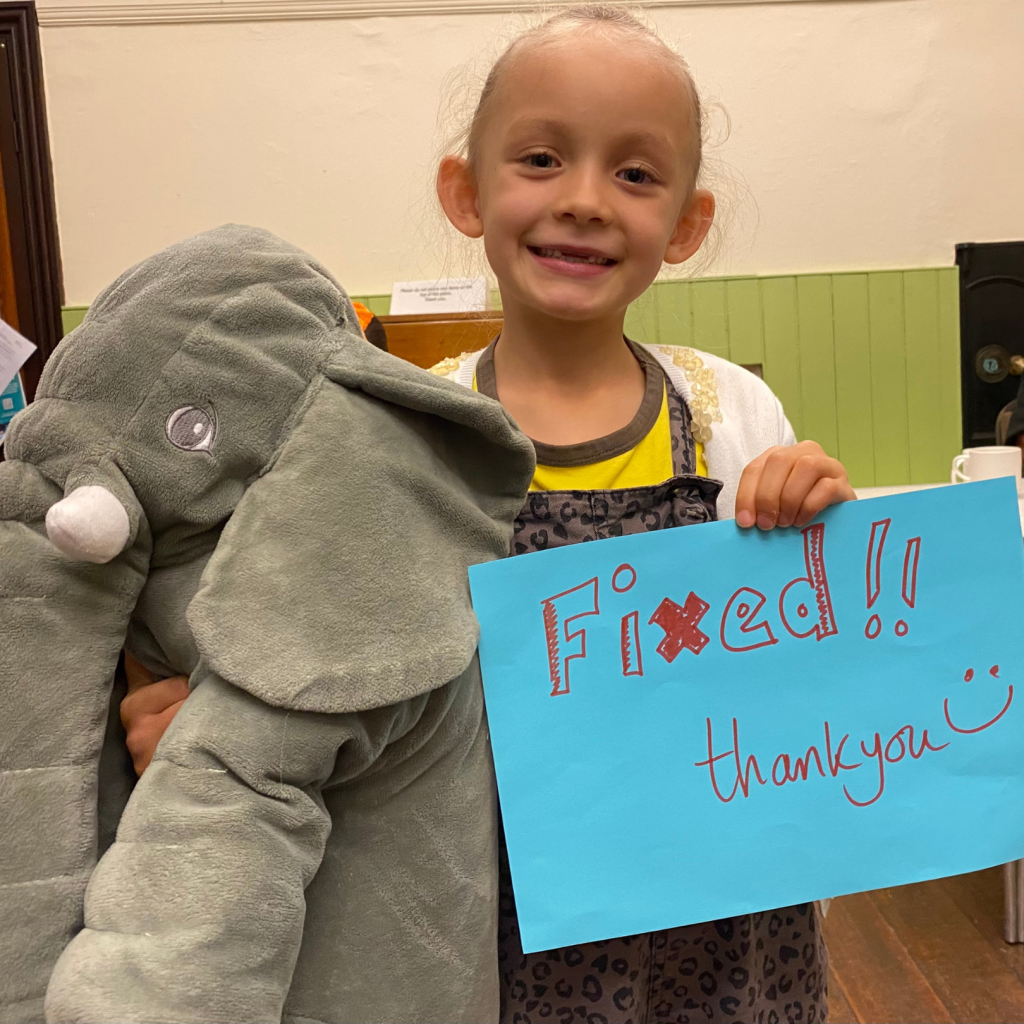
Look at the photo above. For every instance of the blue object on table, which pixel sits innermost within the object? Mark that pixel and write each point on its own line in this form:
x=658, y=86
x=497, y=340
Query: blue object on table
x=703, y=722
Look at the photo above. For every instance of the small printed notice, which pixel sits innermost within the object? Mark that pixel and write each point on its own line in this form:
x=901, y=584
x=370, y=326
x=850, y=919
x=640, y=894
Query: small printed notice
x=701, y=722
x=14, y=352
x=449, y=295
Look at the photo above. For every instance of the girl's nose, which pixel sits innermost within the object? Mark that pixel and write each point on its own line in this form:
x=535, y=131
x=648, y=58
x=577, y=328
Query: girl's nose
x=583, y=198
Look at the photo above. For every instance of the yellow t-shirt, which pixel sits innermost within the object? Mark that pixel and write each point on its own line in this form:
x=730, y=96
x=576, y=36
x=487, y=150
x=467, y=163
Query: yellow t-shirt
x=639, y=455
x=650, y=462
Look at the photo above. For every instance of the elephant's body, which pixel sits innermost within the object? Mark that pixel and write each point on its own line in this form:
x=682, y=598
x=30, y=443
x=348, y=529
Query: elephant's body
x=335, y=735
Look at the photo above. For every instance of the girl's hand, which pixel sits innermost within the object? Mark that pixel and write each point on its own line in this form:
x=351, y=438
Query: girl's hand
x=789, y=485
x=148, y=709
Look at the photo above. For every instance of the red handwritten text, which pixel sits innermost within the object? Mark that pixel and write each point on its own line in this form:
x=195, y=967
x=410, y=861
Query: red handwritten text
x=786, y=768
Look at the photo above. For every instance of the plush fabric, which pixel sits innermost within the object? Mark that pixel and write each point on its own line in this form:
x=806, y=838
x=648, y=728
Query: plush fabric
x=301, y=512
x=198, y=911
x=400, y=534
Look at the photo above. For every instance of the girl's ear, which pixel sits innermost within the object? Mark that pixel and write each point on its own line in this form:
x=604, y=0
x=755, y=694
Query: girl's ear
x=456, y=189
x=692, y=228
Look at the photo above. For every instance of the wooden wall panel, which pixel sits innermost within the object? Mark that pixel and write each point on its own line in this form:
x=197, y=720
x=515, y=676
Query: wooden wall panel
x=782, y=346
x=380, y=305
x=924, y=376
x=710, y=320
x=888, y=378
x=746, y=320
x=948, y=397
x=818, y=361
x=853, y=377
x=674, y=311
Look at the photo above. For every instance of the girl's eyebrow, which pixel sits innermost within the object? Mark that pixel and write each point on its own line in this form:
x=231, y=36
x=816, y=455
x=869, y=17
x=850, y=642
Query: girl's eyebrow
x=642, y=139
x=537, y=126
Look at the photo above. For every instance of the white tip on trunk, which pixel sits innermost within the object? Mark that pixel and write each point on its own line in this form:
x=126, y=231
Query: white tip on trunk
x=89, y=525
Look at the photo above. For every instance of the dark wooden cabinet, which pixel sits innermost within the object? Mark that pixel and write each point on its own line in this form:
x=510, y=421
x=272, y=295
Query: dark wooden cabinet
x=31, y=286
x=991, y=333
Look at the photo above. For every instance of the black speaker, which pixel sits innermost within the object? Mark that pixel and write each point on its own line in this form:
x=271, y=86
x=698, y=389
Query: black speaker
x=991, y=333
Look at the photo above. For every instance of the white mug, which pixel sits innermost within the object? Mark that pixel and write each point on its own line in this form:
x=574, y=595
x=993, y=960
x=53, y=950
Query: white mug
x=986, y=463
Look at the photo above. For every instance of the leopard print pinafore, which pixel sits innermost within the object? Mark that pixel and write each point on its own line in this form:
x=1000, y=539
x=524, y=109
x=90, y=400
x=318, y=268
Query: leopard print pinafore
x=758, y=967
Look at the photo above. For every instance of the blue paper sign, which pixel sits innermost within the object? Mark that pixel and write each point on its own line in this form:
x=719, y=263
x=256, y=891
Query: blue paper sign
x=706, y=721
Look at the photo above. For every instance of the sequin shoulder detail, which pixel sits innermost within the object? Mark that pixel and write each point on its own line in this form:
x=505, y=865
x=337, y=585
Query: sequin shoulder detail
x=704, y=408
x=447, y=367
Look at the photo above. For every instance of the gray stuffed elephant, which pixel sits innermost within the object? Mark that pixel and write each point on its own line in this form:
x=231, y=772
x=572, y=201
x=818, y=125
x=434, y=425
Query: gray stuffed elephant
x=222, y=476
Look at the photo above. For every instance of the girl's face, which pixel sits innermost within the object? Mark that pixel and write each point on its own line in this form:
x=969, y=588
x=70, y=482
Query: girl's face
x=582, y=182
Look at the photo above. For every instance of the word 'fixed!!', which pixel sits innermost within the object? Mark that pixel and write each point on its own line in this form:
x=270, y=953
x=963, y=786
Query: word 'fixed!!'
x=804, y=603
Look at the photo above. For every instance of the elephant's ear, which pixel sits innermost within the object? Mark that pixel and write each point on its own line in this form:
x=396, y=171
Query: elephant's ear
x=340, y=582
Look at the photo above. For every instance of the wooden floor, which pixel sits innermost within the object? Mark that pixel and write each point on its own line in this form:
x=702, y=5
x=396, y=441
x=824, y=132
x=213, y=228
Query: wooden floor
x=931, y=952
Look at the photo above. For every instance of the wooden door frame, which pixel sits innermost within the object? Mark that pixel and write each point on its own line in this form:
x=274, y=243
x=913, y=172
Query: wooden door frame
x=41, y=322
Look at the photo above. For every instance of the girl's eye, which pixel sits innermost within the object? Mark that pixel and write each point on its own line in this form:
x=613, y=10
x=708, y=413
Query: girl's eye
x=635, y=176
x=542, y=161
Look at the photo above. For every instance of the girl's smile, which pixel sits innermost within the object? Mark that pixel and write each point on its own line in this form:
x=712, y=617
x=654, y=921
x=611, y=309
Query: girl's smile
x=573, y=261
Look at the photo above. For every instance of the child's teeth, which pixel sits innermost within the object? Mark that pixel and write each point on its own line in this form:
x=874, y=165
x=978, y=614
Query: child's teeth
x=569, y=257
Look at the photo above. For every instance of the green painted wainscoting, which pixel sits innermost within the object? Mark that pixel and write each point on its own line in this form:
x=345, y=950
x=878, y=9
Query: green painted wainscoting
x=867, y=364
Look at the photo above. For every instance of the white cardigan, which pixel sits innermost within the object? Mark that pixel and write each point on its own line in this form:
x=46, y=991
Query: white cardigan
x=752, y=417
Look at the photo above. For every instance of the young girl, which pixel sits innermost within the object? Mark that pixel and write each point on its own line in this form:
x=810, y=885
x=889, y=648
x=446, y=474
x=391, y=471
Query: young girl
x=580, y=172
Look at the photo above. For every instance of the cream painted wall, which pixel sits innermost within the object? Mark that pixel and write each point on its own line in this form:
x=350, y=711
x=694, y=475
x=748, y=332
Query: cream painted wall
x=869, y=134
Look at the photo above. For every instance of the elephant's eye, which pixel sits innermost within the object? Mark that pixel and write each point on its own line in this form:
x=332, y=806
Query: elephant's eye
x=192, y=429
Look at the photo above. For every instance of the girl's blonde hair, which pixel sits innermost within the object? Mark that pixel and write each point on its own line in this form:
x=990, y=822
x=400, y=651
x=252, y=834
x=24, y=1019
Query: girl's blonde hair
x=607, y=19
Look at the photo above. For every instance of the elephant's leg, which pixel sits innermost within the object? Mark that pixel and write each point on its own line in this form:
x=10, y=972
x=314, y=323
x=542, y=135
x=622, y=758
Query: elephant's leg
x=62, y=625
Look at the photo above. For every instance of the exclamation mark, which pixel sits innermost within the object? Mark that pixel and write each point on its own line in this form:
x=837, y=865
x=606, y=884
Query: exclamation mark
x=910, y=560
x=874, y=574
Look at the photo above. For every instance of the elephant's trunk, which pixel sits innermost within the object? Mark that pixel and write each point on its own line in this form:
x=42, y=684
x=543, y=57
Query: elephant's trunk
x=89, y=525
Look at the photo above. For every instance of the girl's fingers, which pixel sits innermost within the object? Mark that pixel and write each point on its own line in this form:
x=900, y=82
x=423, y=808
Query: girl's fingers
x=746, y=513
x=144, y=737
x=827, y=491
x=138, y=675
x=788, y=486
x=778, y=466
x=806, y=472
x=148, y=710
x=153, y=700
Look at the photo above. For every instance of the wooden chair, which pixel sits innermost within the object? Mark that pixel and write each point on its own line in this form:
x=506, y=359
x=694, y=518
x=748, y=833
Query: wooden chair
x=427, y=338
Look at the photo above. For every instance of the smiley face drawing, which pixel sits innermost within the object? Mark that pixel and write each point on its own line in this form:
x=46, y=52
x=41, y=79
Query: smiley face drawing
x=968, y=677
